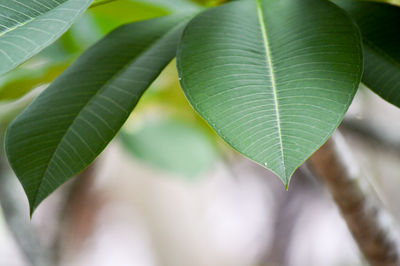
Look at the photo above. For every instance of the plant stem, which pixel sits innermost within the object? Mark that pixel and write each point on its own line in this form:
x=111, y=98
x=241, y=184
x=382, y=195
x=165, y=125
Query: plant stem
x=370, y=224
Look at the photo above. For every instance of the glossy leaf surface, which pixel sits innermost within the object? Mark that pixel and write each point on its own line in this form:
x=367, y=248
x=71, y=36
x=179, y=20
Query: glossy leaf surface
x=74, y=119
x=380, y=28
x=26, y=27
x=272, y=77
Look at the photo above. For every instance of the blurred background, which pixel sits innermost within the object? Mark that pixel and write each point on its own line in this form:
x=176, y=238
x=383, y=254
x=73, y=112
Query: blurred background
x=169, y=192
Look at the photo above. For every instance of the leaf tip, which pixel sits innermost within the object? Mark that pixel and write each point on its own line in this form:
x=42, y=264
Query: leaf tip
x=31, y=211
x=286, y=181
x=34, y=203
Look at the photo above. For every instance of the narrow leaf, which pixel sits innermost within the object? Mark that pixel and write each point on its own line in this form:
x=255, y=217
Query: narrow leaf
x=380, y=28
x=272, y=77
x=26, y=27
x=73, y=120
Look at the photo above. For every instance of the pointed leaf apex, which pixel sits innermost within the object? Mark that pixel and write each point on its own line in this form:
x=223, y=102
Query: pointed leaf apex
x=269, y=94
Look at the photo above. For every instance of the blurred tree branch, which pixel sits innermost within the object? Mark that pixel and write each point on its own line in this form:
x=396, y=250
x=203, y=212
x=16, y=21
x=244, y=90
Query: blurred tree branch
x=78, y=216
x=369, y=223
x=371, y=133
x=18, y=222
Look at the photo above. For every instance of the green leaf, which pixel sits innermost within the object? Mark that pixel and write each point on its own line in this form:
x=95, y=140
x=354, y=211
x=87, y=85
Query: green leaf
x=74, y=119
x=272, y=77
x=173, y=145
x=26, y=27
x=380, y=28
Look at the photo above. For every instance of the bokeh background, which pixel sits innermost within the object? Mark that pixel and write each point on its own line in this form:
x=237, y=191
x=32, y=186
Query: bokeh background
x=169, y=192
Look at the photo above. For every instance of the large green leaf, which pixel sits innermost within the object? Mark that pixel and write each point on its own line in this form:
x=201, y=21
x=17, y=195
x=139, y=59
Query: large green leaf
x=380, y=28
x=74, y=119
x=26, y=26
x=272, y=77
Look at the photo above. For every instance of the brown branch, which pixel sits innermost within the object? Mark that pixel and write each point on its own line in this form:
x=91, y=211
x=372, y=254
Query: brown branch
x=367, y=220
x=78, y=216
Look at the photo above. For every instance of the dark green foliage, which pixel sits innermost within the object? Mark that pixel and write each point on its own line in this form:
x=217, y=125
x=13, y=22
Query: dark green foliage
x=274, y=78
x=74, y=119
x=380, y=28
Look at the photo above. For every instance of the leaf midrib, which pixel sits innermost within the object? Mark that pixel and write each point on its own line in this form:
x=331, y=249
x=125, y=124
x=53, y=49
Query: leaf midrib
x=270, y=67
x=94, y=95
x=31, y=19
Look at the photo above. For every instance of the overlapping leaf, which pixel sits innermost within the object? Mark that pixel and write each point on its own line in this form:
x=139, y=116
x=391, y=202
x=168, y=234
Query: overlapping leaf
x=272, y=77
x=26, y=26
x=73, y=120
x=380, y=28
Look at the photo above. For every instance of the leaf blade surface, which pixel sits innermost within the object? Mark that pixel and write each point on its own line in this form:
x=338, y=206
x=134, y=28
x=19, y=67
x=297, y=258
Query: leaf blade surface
x=379, y=25
x=273, y=78
x=73, y=120
x=27, y=27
